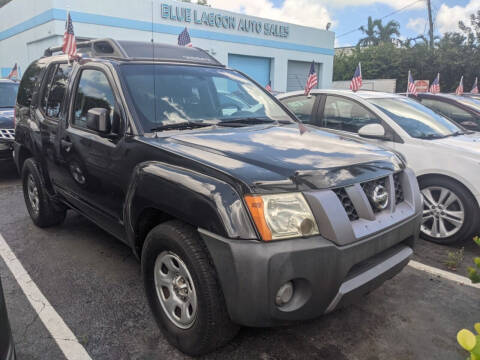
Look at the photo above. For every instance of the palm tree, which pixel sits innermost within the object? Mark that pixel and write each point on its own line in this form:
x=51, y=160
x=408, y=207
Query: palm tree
x=386, y=33
x=377, y=33
x=371, y=37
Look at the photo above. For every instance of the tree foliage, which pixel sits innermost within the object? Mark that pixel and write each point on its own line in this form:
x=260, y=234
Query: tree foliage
x=454, y=55
x=377, y=33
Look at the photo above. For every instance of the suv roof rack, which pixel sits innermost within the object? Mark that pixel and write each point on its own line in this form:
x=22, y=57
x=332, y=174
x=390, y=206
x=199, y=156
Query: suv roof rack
x=140, y=50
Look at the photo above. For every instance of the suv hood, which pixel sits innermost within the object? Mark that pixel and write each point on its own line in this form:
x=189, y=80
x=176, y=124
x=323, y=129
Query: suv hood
x=264, y=155
x=6, y=118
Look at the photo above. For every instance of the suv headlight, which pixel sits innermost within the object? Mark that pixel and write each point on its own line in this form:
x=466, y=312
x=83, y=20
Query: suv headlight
x=281, y=216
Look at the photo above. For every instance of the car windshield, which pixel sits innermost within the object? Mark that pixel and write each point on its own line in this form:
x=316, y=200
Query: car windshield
x=165, y=96
x=8, y=94
x=416, y=119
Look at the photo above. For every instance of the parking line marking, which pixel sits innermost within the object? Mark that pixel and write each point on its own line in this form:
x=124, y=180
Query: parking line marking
x=443, y=274
x=60, y=332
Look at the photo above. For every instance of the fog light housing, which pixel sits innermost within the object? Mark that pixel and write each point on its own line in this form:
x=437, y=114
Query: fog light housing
x=284, y=294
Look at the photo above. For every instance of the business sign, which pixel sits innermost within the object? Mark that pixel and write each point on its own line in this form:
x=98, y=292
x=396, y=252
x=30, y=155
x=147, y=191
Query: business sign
x=422, y=85
x=211, y=18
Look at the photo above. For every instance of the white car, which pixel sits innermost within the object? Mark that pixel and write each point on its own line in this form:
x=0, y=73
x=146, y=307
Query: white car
x=445, y=157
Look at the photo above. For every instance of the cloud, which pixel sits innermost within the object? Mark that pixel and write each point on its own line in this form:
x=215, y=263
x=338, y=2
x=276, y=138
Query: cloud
x=448, y=17
x=417, y=24
x=314, y=13
x=303, y=12
x=397, y=4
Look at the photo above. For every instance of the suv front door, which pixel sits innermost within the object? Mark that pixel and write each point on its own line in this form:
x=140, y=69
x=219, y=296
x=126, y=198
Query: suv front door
x=91, y=176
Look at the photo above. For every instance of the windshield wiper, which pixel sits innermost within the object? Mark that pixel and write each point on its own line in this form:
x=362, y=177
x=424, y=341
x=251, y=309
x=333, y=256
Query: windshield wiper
x=457, y=133
x=242, y=121
x=179, y=126
x=431, y=136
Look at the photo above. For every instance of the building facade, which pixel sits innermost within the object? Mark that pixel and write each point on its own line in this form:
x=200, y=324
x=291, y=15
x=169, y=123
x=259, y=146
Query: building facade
x=266, y=50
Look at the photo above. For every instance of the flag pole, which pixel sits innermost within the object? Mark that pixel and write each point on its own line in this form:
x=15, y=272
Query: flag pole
x=408, y=80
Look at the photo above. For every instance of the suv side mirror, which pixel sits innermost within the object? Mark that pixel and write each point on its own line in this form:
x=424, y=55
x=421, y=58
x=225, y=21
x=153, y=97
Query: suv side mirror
x=98, y=119
x=372, y=131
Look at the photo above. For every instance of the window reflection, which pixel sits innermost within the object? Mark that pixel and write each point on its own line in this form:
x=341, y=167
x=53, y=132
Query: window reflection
x=169, y=94
x=416, y=119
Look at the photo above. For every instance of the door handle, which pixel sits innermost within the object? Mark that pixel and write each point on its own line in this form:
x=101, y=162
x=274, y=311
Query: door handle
x=66, y=145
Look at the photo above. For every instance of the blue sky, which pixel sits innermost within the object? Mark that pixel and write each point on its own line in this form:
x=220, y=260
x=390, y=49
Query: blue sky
x=347, y=15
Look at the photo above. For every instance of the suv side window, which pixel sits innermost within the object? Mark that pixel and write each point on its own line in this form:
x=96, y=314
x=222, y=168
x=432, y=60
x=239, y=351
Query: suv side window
x=301, y=106
x=94, y=91
x=55, y=89
x=346, y=115
x=449, y=110
x=28, y=84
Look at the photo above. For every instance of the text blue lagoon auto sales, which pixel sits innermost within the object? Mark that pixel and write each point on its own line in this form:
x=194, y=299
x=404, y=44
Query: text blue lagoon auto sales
x=214, y=19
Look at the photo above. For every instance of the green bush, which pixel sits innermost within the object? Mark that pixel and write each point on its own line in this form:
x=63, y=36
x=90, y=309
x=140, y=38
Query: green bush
x=474, y=271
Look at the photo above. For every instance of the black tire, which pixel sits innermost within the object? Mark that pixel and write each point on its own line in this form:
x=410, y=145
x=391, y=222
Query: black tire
x=470, y=207
x=47, y=214
x=212, y=327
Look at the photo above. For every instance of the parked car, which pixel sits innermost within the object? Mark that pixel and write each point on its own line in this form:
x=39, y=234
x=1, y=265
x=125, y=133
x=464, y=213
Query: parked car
x=7, y=349
x=443, y=155
x=237, y=215
x=464, y=110
x=8, y=96
x=472, y=95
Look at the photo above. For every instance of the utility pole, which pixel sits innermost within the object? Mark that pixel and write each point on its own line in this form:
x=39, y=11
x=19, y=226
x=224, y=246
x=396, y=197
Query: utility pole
x=430, y=21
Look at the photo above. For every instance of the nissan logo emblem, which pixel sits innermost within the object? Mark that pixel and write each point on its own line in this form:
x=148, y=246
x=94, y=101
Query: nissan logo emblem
x=380, y=197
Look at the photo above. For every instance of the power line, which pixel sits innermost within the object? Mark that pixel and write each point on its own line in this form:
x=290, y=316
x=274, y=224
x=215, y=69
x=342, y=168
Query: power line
x=383, y=17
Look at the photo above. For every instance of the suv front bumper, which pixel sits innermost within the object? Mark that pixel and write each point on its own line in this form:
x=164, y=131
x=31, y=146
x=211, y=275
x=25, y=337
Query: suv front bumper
x=325, y=276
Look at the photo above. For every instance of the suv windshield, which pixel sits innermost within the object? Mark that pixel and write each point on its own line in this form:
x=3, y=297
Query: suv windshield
x=8, y=94
x=416, y=119
x=168, y=95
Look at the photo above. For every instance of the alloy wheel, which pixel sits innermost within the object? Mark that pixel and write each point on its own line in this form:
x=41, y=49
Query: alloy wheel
x=175, y=289
x=33, y=196
x=443, y=212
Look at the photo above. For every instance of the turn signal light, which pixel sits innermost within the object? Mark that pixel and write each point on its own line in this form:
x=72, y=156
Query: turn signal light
x=255, y=205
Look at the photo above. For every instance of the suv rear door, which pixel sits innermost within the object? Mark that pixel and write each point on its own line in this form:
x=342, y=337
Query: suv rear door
x=89, y=170
x=48, y=111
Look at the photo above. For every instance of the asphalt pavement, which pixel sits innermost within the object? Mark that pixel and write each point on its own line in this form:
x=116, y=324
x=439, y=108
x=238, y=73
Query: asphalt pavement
x=93, y=282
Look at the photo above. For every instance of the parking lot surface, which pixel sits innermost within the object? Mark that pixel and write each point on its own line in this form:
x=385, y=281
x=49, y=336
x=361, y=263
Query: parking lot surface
x=93, y=282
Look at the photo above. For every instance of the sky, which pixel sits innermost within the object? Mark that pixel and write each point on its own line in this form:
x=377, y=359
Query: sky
x=348, y=15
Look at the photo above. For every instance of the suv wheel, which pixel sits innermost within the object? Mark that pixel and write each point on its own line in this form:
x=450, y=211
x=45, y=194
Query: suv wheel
x=183, y=290
x=449, y=211
x=39, y=205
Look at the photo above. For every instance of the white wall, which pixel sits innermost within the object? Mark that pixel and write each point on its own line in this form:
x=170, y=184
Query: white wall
x=29, y=45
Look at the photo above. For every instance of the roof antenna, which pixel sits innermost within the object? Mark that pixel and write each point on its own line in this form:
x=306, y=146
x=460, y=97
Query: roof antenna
x=154, y=73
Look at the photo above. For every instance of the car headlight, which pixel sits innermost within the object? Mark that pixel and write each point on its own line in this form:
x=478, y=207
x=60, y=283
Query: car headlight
x=281, y=216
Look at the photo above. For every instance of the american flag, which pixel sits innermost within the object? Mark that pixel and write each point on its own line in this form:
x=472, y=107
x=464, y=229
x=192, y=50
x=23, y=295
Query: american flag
x=435, y=87
x=475, y=87
x=69, y=46
x=184, y=38
x=312, y=79
x=411, y=88
x=356, y=83
x=459, y=90
x=269, y=86
x=13, y=72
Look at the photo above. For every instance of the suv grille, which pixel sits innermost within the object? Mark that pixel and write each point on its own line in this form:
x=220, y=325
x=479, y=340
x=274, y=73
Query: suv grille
x=368, y=188
x=347, y=203
x=8, y=134
x=398, y=189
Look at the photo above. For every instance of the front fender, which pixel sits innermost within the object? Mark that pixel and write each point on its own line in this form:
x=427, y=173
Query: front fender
x=189, y=196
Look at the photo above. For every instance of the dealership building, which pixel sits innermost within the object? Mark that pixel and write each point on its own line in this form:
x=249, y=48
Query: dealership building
x=267, y=50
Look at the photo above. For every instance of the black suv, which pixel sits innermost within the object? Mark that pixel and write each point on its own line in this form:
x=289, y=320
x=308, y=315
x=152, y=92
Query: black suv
x=239, y=214
x=8, y=95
